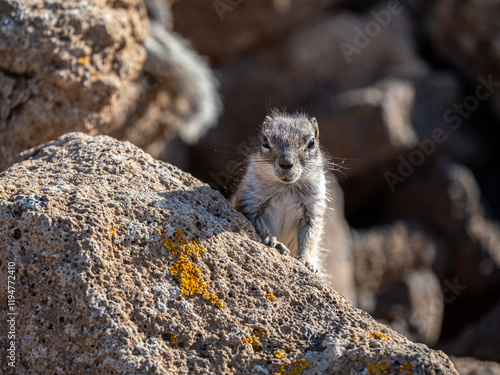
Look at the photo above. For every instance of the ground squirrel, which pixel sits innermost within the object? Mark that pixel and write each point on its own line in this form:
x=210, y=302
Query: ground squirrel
x=283, y=192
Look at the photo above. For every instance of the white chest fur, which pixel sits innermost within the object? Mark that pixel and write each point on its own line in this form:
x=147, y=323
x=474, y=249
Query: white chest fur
x=282, y=215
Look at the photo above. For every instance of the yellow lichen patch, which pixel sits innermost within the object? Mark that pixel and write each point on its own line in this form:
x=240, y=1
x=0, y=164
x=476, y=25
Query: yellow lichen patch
x=353, y=338
x=279, y=354
x=174, y=340
x=259, y=332
x=179, y=244
x=406, y=369
x=377, y=335
x=254, y=340
x=84, y=60
x=271, y=297
x=378, y=368
x=299, y=366
x=189, y=276
x=185, y=271
x=213, y=299
x=112, y=230
x=193, y=249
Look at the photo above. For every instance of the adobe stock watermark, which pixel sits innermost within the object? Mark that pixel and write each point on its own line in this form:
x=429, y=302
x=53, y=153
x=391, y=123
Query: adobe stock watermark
x=223, y=6
x=417, y=157
x=372, y=29
x=483, y=91
x=453, y=116
x=11, y=314
x=452, y=290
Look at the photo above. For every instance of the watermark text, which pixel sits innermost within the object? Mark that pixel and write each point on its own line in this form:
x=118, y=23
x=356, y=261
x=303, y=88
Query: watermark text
x=11, y=314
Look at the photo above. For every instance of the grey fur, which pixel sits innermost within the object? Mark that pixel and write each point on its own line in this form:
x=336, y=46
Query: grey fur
x=172, y=59
x=286, y=203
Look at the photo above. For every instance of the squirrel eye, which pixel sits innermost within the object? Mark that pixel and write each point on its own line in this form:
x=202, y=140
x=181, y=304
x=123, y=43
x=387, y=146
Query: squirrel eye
x=311, y=143
x=265, y=143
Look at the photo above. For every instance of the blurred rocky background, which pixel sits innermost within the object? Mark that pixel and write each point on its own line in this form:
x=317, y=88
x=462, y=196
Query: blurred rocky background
x=407, y=95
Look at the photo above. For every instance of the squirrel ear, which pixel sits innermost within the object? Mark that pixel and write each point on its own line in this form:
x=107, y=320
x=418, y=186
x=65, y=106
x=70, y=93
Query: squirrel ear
x=268, y=119
x=314, y=122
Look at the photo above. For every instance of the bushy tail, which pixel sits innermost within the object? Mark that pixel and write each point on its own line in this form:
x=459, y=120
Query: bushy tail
x=173, y=62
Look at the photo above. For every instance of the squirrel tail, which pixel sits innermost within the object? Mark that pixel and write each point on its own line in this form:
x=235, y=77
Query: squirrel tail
x=174, y=63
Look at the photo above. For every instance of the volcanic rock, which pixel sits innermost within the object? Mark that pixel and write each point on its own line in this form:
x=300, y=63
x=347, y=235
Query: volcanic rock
x=127, y=265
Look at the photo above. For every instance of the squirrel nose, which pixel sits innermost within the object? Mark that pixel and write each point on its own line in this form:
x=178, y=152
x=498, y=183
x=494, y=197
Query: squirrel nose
x=285, y=162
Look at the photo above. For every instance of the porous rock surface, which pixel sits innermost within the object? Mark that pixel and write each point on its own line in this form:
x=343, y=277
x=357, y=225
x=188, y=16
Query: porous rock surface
x=81, y=217
x=62, y=66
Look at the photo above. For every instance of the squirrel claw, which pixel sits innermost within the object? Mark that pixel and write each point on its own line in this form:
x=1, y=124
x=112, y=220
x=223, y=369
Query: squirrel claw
x=309, y=265
x=282, y=249
x=274, y=243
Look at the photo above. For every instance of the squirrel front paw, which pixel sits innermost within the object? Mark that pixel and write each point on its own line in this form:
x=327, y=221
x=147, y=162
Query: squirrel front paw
x=273, y=242
x=309, y=265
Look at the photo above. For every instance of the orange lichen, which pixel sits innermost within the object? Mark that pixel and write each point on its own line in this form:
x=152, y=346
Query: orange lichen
x=213, y=299
x=406, y=369
x=259, y=332
x=377, y=335
x=378, y=368
x=174, y=340
x=271, y=297
x=254, y=340
x=185, y=271
x=112, y=230
x=179, y=244
x=189, y=276
x=353, y=338
x=84, y=60
x=279, y=354
x=299, y=366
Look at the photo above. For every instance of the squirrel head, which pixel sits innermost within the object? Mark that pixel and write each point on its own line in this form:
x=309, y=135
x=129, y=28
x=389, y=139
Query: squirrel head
x=289, y=145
